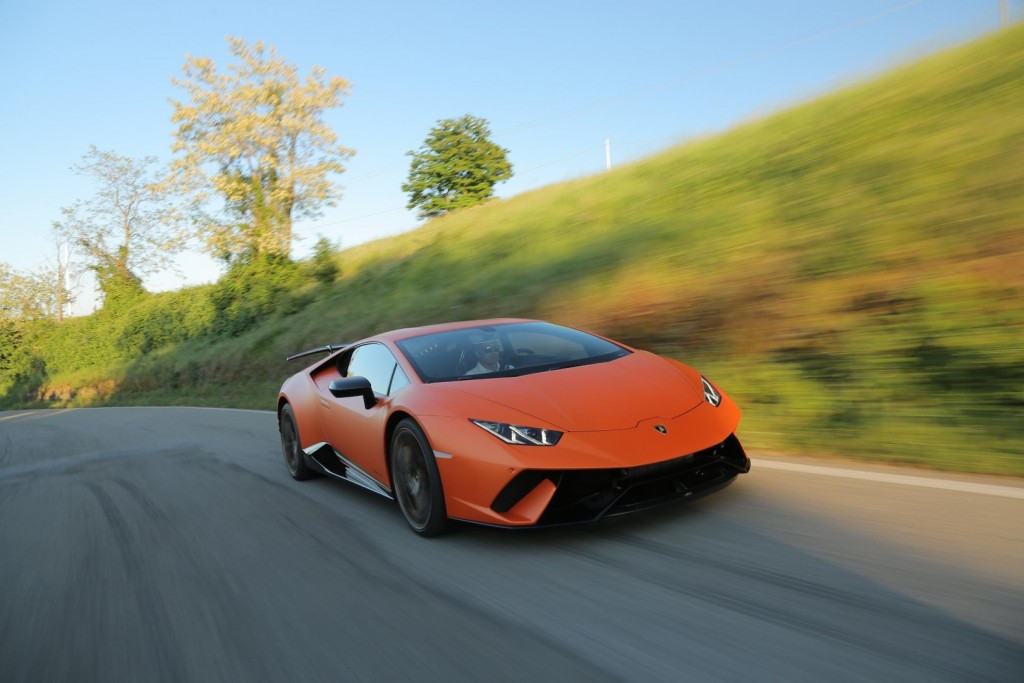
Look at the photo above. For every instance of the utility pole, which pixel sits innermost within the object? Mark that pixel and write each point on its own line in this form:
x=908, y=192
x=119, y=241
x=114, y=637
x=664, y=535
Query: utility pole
x=607, y=154
x=63, y=264
x=1004, y=13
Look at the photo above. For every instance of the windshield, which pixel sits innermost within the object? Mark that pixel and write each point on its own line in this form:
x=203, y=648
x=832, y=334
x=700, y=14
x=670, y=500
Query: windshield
x=506, y=350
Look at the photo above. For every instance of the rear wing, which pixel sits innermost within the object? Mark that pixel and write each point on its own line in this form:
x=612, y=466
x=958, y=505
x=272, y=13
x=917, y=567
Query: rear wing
x=326, y=348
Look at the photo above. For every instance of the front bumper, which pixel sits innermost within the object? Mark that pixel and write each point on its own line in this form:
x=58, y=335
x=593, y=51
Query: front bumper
x=587, y=495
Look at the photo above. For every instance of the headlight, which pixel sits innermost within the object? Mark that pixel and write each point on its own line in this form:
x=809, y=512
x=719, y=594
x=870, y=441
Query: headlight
x=711, y=395
x=520, y=435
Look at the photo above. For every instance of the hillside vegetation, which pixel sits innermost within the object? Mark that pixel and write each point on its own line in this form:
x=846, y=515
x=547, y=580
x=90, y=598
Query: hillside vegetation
x=850, y=270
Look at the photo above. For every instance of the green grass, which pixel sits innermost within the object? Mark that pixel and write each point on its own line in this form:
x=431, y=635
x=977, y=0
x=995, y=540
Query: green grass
x=850, y=270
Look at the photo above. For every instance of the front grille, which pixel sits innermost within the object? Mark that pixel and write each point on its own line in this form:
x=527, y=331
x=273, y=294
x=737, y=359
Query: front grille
x=589, y=495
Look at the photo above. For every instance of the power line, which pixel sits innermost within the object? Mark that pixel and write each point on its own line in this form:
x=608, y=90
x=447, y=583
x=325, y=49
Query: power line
x=757, y=56
x=754, y=57
x=588, y=150
x=349, y=220
x=747, y=59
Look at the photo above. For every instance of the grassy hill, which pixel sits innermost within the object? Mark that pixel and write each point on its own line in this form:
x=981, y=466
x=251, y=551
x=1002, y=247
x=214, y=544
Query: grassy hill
x=850, y=270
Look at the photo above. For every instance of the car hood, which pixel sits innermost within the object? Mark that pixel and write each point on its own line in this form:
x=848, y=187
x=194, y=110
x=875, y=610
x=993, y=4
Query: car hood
x=617, y=394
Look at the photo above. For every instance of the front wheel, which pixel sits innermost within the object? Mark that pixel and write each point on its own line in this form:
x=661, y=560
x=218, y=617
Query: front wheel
x=294, y=458
x=416, y=480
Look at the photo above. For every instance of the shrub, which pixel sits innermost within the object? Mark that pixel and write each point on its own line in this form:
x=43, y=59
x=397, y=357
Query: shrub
x=253, y=290
x=323, y=267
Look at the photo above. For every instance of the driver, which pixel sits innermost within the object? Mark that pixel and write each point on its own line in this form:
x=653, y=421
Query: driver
x=488, y=354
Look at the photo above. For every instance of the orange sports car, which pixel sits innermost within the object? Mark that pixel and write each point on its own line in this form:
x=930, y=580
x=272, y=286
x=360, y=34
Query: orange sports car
x=509, y=423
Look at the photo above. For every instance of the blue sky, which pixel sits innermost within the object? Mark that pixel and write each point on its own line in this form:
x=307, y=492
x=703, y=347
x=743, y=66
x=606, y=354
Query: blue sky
x=554, y=78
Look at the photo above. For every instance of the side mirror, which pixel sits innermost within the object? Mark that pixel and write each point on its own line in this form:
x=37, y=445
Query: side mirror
x=354, y=386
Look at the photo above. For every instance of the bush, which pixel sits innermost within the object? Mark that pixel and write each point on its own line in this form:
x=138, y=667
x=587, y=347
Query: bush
x=166, y=318
x=253, y=290
x=323, y=267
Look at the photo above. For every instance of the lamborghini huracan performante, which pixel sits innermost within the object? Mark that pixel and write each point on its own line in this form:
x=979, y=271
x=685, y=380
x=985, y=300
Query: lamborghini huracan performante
x=508, y=423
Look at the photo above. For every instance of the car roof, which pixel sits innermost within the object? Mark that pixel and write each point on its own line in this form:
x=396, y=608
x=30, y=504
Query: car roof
x=408, y=332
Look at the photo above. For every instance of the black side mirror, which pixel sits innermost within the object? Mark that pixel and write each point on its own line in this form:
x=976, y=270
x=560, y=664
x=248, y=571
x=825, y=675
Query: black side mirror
x=354, y=386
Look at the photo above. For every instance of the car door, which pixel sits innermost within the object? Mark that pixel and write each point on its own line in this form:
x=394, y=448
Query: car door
x=355, y=431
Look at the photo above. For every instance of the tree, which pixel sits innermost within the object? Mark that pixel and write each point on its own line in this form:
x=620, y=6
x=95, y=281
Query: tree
x=20, y=296
x=322, y=266
x=456, y=166
x=127, y=229
x=34, y=295
x=255, y=137
x=24, y=297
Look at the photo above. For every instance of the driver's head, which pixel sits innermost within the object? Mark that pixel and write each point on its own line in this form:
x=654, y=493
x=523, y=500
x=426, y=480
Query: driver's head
x=486, y=346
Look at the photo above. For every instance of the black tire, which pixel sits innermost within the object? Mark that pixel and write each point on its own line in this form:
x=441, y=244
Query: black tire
x=416, y=481
x=294, y=458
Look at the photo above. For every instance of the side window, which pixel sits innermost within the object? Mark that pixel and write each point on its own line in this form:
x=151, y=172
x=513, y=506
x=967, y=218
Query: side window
x=375, y=363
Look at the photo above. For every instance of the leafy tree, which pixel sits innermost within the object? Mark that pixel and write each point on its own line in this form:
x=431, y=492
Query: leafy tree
x=322, y=266
x=127, y=229
x=24, y=297
x=457, y=166
x=21, y=296
x=34, y=296
x=255, y=137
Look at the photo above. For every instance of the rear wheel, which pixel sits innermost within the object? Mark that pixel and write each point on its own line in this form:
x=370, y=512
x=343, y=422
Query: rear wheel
x=294, y=458
x=416, y=480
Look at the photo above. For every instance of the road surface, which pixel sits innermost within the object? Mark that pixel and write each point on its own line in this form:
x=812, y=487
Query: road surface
x=169, y=544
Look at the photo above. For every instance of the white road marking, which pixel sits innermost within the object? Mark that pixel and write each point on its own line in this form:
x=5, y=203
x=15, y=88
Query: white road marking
x=35, y=414
x=234, y=410
x=906, y=480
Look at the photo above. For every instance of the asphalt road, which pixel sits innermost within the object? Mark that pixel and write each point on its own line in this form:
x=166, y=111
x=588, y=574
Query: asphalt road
x=152, y=544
